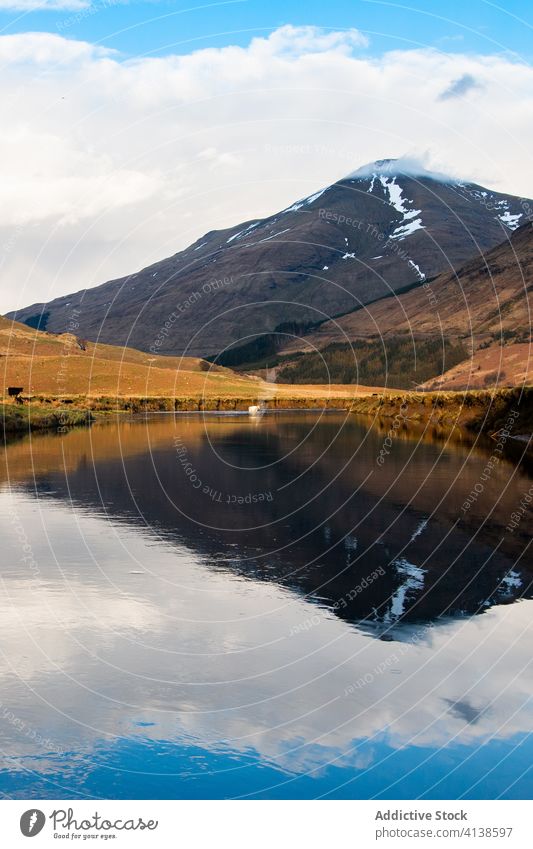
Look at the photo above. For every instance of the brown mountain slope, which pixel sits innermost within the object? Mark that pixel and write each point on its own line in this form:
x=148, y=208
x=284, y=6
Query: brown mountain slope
x=487, y=304
x=487, y=296
x=497, y=365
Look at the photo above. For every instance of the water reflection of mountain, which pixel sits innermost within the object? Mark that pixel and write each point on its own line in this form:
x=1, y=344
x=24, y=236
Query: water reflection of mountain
x=308, y=507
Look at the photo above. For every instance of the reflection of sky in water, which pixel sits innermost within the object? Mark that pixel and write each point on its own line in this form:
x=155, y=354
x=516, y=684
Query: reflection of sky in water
x=131, y=667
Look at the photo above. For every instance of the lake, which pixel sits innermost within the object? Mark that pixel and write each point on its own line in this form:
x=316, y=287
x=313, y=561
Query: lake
x=300, y=605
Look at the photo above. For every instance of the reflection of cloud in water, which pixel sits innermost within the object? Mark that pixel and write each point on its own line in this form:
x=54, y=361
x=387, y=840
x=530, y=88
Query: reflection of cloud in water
x=212, y=657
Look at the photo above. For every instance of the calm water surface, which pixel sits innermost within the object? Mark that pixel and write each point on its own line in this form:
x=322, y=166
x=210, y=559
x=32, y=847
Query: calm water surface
x=223, y=607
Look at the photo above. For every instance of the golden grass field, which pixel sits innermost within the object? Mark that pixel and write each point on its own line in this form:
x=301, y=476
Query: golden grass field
x=55, y=366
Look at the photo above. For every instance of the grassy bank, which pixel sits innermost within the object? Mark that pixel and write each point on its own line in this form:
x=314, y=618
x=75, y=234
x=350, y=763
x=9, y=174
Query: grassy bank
x=159, y=404
x=481, y=411
x=22, y=418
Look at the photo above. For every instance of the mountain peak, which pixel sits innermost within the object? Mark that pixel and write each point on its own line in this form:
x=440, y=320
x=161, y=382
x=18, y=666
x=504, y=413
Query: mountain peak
x=404, y=165
x=348, y=244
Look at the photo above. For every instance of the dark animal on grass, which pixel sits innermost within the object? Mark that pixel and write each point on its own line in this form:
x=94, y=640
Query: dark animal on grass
x=15, y=392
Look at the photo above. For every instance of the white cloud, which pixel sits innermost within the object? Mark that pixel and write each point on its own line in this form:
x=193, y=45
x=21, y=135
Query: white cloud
x=108, y=164
x=64, y=182
x=293, y=41
x=47, y=49
x=43, y=5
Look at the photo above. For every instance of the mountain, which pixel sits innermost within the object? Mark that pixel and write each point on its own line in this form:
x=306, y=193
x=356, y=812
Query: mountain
x=385, y=227
x=486, y=306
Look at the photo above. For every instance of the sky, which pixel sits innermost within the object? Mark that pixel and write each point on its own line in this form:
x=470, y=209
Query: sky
x=130, y=128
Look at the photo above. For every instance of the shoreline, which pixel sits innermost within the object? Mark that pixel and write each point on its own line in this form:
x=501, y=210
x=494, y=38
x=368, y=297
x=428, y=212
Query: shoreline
x=21, y=419
x=480, y=411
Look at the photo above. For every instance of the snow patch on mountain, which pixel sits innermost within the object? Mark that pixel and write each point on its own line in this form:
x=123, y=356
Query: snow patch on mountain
x=501, y=207
x=408, y=229
x=305, y=202
x=273, y=236
x=416, y=268
x=396, y=199
x=242, y=232
x=316, y=195
x=395, y=194
x=511, y=221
